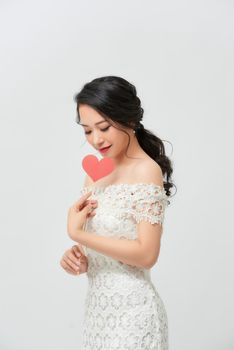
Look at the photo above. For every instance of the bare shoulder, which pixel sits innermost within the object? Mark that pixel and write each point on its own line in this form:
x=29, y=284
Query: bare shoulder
x=88, y=181
x=149, y=171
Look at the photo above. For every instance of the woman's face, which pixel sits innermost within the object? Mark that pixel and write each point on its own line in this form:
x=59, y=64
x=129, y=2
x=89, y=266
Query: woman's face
x=100, y=133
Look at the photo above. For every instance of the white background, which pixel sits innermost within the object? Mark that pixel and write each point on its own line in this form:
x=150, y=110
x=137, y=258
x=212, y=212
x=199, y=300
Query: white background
x=179, y=55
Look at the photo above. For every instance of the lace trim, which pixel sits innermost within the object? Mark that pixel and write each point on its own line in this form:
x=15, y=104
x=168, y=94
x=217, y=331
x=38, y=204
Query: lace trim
x=143, y=201
x=98, y=189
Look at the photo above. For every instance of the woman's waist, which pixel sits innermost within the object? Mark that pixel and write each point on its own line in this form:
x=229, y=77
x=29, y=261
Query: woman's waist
x=115, y=268
x=100, y=263
x=119, y=279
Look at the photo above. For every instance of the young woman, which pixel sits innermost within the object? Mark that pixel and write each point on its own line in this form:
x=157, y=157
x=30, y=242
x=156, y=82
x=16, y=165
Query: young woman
x=119, y=229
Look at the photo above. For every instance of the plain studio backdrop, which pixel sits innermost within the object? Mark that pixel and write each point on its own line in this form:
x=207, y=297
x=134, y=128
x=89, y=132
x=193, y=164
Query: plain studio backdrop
x=179, y=55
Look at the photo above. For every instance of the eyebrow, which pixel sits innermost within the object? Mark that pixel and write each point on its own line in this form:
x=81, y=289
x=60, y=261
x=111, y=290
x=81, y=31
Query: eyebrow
x=103, y=121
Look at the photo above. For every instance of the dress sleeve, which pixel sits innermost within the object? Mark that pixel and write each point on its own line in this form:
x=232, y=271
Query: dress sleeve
x=149, y=204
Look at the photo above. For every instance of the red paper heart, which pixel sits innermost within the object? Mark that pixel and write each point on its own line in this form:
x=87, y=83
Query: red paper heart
x=97, y=169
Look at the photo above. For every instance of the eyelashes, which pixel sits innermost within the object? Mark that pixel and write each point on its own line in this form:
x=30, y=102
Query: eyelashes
x=88, y=132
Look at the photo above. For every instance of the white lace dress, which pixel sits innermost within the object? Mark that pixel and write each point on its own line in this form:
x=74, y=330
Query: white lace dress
x=123, y=310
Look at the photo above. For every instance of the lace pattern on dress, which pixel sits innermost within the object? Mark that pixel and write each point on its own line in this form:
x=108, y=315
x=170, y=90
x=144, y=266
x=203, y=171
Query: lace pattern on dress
x=141, y=201
x=149, y=204
x=123, y=309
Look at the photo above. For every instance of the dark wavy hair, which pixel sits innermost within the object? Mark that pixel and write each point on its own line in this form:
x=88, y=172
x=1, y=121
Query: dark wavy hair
x=116, y=100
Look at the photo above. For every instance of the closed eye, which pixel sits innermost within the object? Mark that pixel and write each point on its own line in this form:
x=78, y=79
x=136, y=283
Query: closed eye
x=88, y=132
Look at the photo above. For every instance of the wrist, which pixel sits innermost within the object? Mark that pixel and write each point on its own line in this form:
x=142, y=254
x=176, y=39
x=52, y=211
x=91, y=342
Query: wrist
x=80, y=233
x=74, y=235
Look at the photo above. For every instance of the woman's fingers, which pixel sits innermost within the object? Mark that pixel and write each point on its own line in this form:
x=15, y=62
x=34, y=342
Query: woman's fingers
x=74, y=258
x=67, y=267
x=92, y=213
x=81, y=206
x=71, y=263
x=77, y=250
x=81, y=202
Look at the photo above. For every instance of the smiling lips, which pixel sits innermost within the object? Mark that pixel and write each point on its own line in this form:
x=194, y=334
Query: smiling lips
x=104, y=148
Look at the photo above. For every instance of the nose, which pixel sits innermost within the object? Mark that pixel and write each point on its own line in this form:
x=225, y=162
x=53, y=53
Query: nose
x=97, y=139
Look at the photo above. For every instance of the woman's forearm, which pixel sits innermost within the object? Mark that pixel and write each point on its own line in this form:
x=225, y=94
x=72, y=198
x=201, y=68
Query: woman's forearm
x=125, y=250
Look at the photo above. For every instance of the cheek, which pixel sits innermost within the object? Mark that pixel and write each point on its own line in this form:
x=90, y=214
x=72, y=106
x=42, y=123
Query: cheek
x=119, y=141
x=117, y=137
x=112, y=136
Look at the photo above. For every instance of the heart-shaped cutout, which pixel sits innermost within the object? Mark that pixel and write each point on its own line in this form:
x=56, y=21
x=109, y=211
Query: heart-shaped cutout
x=97, y=169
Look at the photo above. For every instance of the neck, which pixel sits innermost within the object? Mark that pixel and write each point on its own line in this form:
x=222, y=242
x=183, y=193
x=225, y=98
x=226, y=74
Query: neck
x=128, y=156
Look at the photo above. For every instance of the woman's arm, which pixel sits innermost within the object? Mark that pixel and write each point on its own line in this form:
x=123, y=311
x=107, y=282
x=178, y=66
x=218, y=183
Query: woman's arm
x=142, y=251
x=127, y=251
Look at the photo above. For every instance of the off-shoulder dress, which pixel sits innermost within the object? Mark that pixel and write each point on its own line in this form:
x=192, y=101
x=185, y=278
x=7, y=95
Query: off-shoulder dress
x=123, y=309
